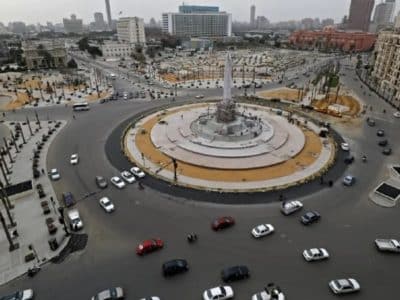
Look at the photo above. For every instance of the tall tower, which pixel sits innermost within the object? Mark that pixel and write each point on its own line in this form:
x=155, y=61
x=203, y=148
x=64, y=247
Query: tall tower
x=360, y=14
x=253, y=15
x=226, y=108
x=108, y=10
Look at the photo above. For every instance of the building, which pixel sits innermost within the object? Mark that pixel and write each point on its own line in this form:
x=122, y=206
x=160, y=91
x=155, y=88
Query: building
x=108, y=11
x=131, y=30
x=327, y=22
x=307, y=23
x=197, y=21
x=44, y=54
x=99, y=24
x=360, y=14
x=198, y=44
x=253, y=16
x=113, y=49
x=386, y=71
x=262, y=22
x=383, y=15
x=73, y=25
x=397, y=22
x=333, y=40
x=17, y=27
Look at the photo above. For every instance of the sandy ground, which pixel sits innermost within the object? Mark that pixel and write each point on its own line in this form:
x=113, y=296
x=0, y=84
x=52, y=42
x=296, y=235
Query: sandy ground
x=284, y=93
x=349, y=101
x=20, y=101
x=305, y=158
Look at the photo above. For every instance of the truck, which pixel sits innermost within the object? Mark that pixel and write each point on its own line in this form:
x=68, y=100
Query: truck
x=388, y=245
x=74, y=220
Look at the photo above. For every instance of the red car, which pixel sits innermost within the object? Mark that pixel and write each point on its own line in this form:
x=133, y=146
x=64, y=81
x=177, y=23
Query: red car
x=149, y=246
x=222, y=222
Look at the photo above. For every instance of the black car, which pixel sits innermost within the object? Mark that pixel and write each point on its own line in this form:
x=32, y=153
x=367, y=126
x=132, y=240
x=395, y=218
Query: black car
x=383, y=143
x=387, y=151
x=101, y=182
x=174, y=267
x=349, y=159
x=68, y=199
x=310, y=217
x=380, y=132
x=235, y=273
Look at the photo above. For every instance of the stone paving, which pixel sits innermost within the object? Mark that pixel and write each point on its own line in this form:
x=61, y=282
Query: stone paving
x=27, y=212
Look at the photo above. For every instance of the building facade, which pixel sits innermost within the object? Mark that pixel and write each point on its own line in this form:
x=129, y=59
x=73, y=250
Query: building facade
x=44, y=54
x=99, y=24
x=73, y=25
x=385, y=74
x=131, y=30
x=334, y=40
x=112, y=49
x=360, y=14
x=197, y=21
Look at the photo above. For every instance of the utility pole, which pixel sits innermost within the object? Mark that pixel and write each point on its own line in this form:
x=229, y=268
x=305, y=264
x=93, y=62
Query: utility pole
x=22, y=132
x=29, y=126
x=175, y=164
x=12, y=246
x=12, y=222
x=15, y=141
x=4, y=173
x=4, y=164
x=8, y=150
x=10, y=205
x=37, y=119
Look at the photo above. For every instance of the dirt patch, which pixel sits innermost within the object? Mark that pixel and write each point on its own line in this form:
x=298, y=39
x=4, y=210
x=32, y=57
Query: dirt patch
x=94, y=96
x=284, y=94
x=345, y=100
x=21, y=100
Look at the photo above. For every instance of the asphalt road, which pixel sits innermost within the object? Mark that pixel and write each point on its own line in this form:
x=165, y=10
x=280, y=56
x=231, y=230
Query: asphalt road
x=350, y=222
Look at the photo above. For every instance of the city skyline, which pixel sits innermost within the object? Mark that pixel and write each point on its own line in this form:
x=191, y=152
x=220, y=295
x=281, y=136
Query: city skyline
x=275, y=10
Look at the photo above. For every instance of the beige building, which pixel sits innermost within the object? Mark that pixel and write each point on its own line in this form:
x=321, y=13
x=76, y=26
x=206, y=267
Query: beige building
x=113, y=49
x=386, y=71
x=131, y=30
x=44, y=54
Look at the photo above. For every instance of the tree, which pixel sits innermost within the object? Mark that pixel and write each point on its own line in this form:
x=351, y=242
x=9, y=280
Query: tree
x=83, y=44
x=72, y=64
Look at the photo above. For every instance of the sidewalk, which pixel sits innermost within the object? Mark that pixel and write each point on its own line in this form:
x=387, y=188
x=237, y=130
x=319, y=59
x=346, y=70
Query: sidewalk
x=27, y=211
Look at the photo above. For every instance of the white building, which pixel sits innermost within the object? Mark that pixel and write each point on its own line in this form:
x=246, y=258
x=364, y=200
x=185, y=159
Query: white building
x=131, y=30
x=383, y=15
x=113, y=49
x=73, y=25
x=397, y=22
x=197, y=21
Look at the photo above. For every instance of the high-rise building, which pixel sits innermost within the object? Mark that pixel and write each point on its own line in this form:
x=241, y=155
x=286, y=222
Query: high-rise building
x=397, y=22
x=131, y=30
x=384, y=12
x=386, y=70
x=108, y=11
x=73, y=25
x=17, y=27
x=327, y=22
x=262, y=22
x=360, y=14
x=197, y=21
x=253, y=16
x=99, y=23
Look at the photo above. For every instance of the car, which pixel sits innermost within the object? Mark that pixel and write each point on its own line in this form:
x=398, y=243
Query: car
x=345, y=146
x=106, y=204
x=174, y=267
x=128, y=177
x=387, y=151
x=344, y=286
x=290, y=207
x=117, y=182
x=235, y=273
x=396, y=114
x=262, y=230
x=74, y=159
x=20, y=295
x=270, y=292
x=371, y=122
x=388, y=245
x=218, y=293
x=54, y=175
x=222, y=223
x=380, y=133
x=349, y=159
x=199, y=96
x=383, y=143
x=151, y=298
x=314, y=254
x=149, y=246
x=101, y=182
x=110, y=294
x=137, y=172
x=68, y=199
x=349, y=180
x=310, y=217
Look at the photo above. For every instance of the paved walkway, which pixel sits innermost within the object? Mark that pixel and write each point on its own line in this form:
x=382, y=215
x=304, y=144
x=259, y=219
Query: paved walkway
x=27, y=212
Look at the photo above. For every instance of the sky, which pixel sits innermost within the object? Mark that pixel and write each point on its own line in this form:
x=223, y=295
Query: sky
x=34, y=11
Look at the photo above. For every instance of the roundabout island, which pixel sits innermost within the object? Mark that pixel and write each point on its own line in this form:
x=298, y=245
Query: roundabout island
x=226, y=146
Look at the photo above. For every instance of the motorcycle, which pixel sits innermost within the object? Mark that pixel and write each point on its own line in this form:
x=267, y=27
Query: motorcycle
x=192, y=237
x=33, y=271
x=364, y=158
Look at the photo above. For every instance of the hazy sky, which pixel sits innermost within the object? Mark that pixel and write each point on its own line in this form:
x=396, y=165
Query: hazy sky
x=33, y=11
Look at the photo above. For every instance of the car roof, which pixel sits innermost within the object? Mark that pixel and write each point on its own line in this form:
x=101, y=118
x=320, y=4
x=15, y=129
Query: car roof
x=344, y=283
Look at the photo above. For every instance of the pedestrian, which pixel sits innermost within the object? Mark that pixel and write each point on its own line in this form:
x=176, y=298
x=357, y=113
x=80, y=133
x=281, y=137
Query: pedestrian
x=42, y=171
x=330, y=183
x=321, y=180
x=73, y=116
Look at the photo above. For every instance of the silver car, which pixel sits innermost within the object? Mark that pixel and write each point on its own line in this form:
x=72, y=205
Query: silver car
x=344, y=286
x=110, y=294
x=290, y=207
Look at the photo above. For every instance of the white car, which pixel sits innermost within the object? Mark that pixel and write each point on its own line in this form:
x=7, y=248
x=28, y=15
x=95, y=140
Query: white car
x=137, y=172
x=128, y=177
x=290, y=207
x=314, y=254
x=271, y=292
x=20, y=295
x=106, y=204
x=199, y=96
x=113, y=293
x=344, y=286
x=150, y=298
x=262, y=230
x=345, y=146
x=218, y=293
x=74, y=159
x=396, y=114
x=54, y=175
x=117, y=182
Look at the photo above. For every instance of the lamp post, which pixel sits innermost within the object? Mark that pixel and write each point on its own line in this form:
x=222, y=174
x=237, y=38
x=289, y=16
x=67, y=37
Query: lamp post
x=12, y=246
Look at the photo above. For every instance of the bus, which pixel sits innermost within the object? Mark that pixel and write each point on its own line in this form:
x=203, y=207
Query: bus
x=80, y=106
